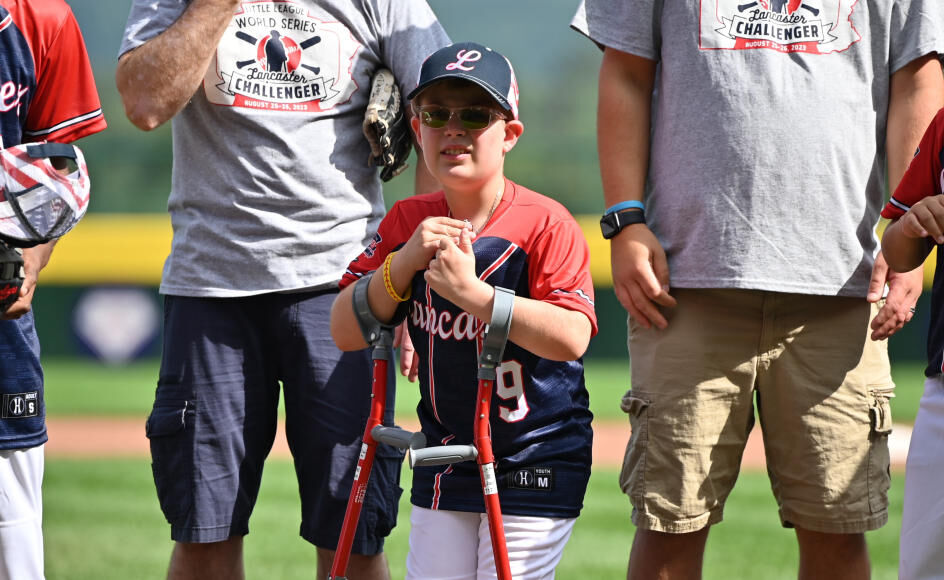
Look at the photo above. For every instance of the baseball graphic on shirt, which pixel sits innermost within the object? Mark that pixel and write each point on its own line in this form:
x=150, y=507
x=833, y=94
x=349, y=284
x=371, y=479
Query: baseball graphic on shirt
x=789, y=26
x=282, y=56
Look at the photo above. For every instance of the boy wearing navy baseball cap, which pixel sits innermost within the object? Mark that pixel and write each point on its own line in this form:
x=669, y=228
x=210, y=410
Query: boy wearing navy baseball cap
x=444, y=253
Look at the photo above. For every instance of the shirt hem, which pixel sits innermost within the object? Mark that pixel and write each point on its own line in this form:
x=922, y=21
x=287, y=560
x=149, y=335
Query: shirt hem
x=27, y=442
x=506, y=509
x=234, y=293
x=772, y=286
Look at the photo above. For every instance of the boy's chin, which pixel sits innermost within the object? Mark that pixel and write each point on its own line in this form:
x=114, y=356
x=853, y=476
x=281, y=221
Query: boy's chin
x=456, y=175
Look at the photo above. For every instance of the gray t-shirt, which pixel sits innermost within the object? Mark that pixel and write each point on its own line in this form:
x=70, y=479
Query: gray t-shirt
x=767, y=165
x=271, y=189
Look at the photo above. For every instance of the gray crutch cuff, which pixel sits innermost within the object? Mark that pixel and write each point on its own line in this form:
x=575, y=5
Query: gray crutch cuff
x=371, y=328
x=496, y=334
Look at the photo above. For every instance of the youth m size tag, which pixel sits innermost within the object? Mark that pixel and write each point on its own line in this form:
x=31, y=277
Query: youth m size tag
x=534, y=478
x=20, y=405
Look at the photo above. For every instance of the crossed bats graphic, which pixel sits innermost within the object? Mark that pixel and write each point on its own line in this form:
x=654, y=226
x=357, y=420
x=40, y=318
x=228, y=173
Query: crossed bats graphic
x=812, y=9
x=303, y=45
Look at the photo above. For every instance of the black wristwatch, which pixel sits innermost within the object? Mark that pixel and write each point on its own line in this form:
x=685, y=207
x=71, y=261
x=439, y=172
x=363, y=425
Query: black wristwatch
x=613, y=223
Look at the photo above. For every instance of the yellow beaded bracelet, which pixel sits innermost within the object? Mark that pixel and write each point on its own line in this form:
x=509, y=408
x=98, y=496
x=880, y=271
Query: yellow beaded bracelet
x=388, y=284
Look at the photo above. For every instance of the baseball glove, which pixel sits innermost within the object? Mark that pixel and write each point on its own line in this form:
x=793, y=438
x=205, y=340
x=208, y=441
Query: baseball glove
x=386, y=126
x=11, y=275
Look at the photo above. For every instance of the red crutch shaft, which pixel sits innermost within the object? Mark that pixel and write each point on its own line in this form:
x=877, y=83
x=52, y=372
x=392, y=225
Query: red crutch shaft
x=482, y=436
x=365, y=462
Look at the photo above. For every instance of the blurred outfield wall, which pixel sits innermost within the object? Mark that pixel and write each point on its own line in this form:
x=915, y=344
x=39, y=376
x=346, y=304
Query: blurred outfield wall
x=101, y=287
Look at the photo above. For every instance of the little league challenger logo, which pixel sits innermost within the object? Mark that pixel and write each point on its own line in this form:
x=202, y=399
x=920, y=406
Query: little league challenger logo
x=810, y=26
x=278, y=55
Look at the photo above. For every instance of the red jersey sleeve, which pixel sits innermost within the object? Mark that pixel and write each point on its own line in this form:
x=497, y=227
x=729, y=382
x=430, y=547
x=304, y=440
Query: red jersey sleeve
x=925, y=175
x=388, y=238
x=66, y=106
x=559, y=269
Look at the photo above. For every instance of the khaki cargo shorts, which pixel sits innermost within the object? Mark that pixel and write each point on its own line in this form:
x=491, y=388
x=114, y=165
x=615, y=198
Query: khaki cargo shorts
x=821, y=389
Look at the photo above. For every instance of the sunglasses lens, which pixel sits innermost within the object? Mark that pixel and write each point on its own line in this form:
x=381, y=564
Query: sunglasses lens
x=471, y=118
x=475, y=119
x=435, y=118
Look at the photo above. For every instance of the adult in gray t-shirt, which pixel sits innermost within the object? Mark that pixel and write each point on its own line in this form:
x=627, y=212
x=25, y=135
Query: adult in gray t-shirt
x=271, y=191
x=271, y=198
x=757, y=136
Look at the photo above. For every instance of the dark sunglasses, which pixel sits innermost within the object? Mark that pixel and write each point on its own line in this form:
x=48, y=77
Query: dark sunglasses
x=471, y=118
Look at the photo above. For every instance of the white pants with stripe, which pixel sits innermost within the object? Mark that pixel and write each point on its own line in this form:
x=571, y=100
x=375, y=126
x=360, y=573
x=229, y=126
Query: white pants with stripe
x=449, y=545
x=21, y=514
x=921, y=554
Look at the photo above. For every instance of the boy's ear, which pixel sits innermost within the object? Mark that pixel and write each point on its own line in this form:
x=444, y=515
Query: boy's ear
x=513, y=130
x=415, y=125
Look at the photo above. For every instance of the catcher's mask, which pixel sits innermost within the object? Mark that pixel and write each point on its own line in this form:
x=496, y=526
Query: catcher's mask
x=37, y=202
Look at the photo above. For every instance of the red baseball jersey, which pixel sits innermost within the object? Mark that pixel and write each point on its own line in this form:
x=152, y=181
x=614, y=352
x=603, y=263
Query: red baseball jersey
x=923, y=178
x=925, y=174
x=540, y=420
x=47, y=91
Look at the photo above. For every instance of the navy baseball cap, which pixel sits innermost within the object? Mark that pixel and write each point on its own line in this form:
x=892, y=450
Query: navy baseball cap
x=475, y=63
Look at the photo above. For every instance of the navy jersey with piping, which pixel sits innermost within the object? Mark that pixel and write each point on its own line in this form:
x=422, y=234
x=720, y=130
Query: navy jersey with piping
x=540, y=418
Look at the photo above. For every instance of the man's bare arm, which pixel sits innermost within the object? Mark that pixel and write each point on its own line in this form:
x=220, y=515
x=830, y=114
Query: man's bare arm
x=158, y=78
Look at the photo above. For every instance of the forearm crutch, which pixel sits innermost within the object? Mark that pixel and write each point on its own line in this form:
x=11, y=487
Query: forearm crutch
x=493, y=346
x=379, y=337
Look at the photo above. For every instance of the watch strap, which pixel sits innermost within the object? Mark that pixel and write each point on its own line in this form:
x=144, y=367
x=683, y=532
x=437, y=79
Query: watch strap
x=613, y=223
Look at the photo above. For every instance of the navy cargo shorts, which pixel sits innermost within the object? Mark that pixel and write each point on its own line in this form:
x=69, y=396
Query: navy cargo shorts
x=216, y=410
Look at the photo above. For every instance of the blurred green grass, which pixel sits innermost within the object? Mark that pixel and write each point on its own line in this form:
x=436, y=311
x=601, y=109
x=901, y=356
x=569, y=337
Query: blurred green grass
x=76, y=386
x=102, y=523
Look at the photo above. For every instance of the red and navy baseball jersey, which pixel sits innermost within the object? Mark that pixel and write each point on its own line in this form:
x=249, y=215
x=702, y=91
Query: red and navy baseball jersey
x=925, y=177
x=540, y=416
x=47, y=93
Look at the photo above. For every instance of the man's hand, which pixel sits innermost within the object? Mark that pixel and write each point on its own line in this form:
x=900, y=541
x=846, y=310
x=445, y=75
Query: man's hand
x=903, y=292
x=641, y=275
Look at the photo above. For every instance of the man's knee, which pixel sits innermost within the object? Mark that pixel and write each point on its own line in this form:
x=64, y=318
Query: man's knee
x=226, y=550
x=373, y=567
x=664, y=555
x=211, y=560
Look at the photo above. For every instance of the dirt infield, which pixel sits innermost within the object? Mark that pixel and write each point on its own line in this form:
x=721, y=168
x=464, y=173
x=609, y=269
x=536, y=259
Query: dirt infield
x=111, y=437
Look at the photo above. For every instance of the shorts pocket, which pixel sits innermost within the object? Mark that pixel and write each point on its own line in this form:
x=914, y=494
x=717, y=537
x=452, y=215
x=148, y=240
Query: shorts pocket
x=632, y=476
x=170, y=431
x=381, y=506
x=880, y=410
x=880, y=415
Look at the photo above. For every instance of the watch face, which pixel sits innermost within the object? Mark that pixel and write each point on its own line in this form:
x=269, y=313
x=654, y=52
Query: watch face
x=613, y=224
x=608, y=226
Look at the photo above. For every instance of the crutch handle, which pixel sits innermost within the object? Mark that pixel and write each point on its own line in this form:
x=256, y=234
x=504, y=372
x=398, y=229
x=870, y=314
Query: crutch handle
x=442, y=455
x=399, y=438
